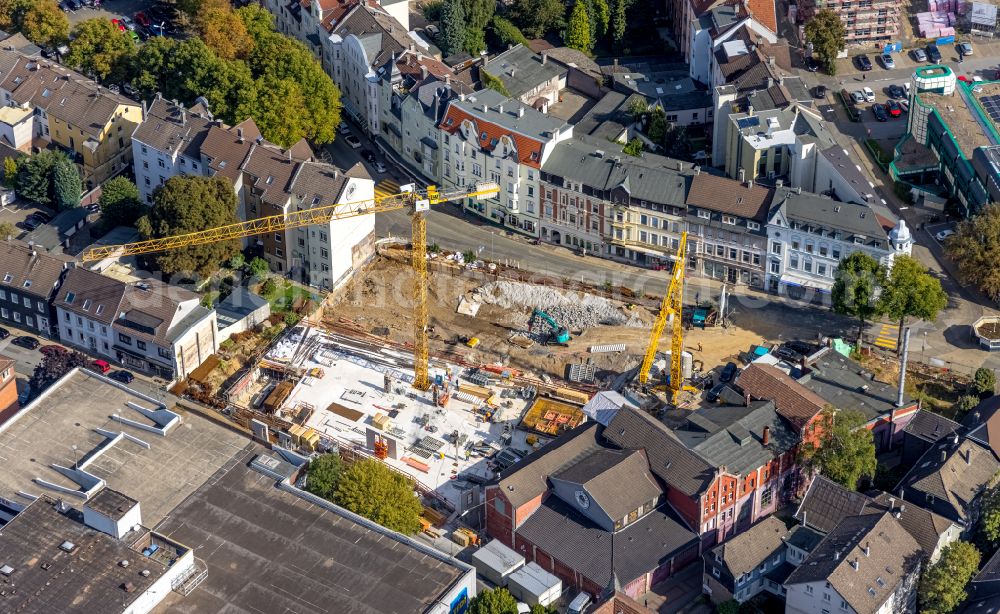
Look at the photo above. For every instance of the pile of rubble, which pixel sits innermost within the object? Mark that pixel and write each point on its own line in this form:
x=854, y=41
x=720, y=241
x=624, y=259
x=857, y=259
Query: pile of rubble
x=574, y=310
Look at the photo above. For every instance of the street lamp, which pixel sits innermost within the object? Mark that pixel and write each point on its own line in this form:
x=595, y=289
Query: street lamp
x=76, y=458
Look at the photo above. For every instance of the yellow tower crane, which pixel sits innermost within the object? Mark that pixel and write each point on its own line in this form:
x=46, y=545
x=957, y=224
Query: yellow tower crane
x=671, y=306
x=418, y=200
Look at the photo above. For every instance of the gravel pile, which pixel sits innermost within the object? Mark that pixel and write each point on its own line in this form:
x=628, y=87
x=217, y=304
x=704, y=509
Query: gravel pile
x=574, y=310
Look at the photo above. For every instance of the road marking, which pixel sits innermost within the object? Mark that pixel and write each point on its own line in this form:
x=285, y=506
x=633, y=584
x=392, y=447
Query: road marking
x=386, y=187
x=887, y=336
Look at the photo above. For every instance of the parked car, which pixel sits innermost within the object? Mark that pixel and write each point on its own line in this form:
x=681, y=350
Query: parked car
x=894, y=109
x=812, y=65
x=919, y=55
x=895, y=91
x=944, y=234
x=728, y=372
x=41, y=216
x=379, y=167
x=31, y=223
x=128, y=23
x=122, y=376
x=142, y=19
x=880, y=113
x=100, y=366
x=343, y=128
x=857, y=97
x=368, y=155
x=964, y=48
x=28, y=343
x=933, y=54
x=52, y=350
x=819, y=91
x=905, y=106
x=907, y=88
x=864, y=63
x=869, y=94
x=4, y=333
x=888, y=62
x=353, y=141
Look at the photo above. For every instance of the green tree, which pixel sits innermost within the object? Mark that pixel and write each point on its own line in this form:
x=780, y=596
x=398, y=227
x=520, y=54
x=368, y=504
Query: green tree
x=988, y=531
x=477, y=16
x=324, y=475
x=728, y=607
x=224, y=33
x=281, y=111
x=602, y=17
x=911, y=292
x=633, y=148
x=578, y=30
x=119, y=202
x=493, y=83
x=237, y=261
x=856, y=288
x=45, y=23
x=67, y=187
x=638, y=107
x=259, y=268
x=828, y=36
x=188, y=204
x=657, y=126
x=373, y=490
x=493, y=601
x=7, y=230
x=975, y=248
x=12, y=13
x=54, y=366
x=942, y=585
x=98, y=48
x=844, y=450
x=536, y=18
x=36, y=177
x=542, y=609
x=619, y=21
x=10, y=172
x=505, y=33
x=966, y=402
x=452, y=38
x=984, y=382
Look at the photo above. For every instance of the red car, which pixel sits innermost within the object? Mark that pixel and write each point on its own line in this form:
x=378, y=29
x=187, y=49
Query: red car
x=101, y=366
x=142, y=19
x=121, y=26
x=52, y=350
x=895, y=110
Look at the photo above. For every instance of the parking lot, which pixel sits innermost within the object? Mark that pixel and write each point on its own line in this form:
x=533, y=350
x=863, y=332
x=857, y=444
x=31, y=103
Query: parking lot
x=115, y=9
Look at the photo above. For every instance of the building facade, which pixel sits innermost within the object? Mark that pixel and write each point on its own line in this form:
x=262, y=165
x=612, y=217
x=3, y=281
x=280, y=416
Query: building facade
x=168, y=143
x=29, y=280
x=86, y=307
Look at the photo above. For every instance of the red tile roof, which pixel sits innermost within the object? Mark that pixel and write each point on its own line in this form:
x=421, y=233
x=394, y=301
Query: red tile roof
x=794, y=401
x=529, y=151
x=765, y=14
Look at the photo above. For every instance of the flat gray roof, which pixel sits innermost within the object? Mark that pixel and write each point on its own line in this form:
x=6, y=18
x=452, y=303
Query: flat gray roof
x=44, y=433
x=268, y=550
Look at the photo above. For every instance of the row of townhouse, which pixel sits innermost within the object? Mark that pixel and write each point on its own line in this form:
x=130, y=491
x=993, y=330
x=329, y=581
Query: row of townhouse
x=268, y=180
x=47, y=105
x=144, y=325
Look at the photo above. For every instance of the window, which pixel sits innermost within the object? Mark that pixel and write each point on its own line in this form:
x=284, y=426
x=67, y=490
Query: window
x=163, y=352
x=823, y=250
x=793, y=262
x=728, y=219
x=836, y=253
x=41, y=307
x=86, y=305
x=826, y=596
x=140, y=344
x=716, y=572
x=277, y=238
x=125, y=339
x=795, y=244
x=753, y=226
x=807, y=266
x=775, y=267
x=705, y=215
x=809, y=589
x=776, y=248
x=26, y=301
x=821, y=269
x=17, y=316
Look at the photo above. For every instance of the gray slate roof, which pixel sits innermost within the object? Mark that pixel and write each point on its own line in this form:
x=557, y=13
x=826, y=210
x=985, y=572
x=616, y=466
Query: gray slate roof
x=752, y=547
x=930, y=427
x=96, y=291
x=892, y=556
x=531, y=123
x=575, y=540
x=840, y=382
x=826, y=503
x=618, y=480
x=521, y=70
x=651, y=178
x=669, y=459
x=954, y=481
x=732, y=436
x=33, y=272
x=52, y=234
x=848, y=168
x=850, y=219
x=174, y=129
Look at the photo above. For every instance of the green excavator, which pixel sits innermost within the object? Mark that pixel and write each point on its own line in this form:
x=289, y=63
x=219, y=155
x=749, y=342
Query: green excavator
x=557, y=334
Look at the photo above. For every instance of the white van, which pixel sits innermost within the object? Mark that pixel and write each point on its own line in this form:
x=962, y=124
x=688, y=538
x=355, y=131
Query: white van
x=579, y=603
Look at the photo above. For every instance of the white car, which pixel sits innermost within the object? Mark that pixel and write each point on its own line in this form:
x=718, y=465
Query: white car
x=343, y=128
x=353, y=141
x=857, y=97
x=964, y=48
x=868, y=93
x=379, y=167
x=944, y=234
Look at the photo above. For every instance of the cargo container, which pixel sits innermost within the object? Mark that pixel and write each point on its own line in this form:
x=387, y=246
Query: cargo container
x=533, y=585
x=495, y=562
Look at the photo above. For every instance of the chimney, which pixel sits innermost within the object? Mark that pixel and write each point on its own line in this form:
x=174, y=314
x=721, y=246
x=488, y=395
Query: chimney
x=779, y=183
x=183, y=116
x=697, y=170
x=144, y=109
x=770, y=60
x=750, y=184
x=447, y=78
x=770, y=82
x=423, y=71
x=767, y=435
x=868, y=549
x=944, y=455
x=975, y=416
x=545, y=58
x=742, y=175
x=520, y=111
x=892, y=503
x=968, y=457
x=836, y=555
x=954, y=439
x=239, y=135
x=499, y=108
x=746, y=400
x=615, y=66
x=854, y=564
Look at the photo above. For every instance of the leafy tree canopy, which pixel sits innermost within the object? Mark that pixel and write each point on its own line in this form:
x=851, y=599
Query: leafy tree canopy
x=855, y=292
x=942, y=586
x=373, y=490
x=259, y=267
x=984, y=381
x=52, y=367
x=224, y=32
x=828, y=36
x=578, y=30
x=536, y=18
x=45, y=23
x=119, y=202
x=452, y=26
x=99, y=48
x=910, y=291
x=844, y=451
x=67, y=187
x=506, y=33
x=324, y=475
x=493, y=601
x=975, y=248
x=189, y=204
x=36, y=178
x=633, y=148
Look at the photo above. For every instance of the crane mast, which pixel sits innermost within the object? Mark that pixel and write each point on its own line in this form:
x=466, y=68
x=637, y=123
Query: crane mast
x=671, y=306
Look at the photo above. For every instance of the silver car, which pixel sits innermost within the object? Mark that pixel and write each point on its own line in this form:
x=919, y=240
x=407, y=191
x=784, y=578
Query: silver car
x=919, y=55
x=964, y=48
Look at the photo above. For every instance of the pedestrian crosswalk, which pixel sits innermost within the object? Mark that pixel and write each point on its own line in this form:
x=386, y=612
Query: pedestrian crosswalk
x=887, y=336
x=386, y=187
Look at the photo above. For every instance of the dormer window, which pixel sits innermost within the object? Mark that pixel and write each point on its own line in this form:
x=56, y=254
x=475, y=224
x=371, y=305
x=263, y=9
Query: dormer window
x=27, y=283
x=86, y=305
x=100, y=310
x=70, y=297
